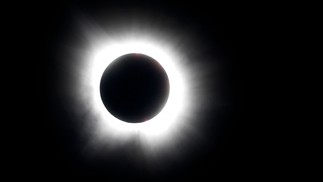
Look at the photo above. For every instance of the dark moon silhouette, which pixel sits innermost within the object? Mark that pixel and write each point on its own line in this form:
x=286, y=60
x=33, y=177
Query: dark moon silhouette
x=134, y=88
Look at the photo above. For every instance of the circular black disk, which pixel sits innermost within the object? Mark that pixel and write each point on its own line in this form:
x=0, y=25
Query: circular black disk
x=134, y=88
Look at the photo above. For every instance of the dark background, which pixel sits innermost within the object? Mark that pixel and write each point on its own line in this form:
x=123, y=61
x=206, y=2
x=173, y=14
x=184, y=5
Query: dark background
x=237, y=149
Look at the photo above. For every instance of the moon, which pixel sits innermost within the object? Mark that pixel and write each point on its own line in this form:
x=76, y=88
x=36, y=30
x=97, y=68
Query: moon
x=134, y=88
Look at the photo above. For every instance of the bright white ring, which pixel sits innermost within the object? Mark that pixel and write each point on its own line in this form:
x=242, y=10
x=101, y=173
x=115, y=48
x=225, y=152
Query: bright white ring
x=162, y=123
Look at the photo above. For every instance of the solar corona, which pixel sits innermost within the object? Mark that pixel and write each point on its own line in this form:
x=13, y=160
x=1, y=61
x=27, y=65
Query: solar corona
x=141, y=83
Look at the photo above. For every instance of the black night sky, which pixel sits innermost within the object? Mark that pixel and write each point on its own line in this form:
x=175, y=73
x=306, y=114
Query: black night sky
x=232, y=148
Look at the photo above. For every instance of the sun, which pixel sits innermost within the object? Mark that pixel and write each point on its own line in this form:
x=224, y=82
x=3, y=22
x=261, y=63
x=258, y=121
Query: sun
x=169, y=116
x=178, y=54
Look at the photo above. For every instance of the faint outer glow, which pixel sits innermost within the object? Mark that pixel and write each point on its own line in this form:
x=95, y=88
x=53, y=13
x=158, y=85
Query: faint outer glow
x=175, y=125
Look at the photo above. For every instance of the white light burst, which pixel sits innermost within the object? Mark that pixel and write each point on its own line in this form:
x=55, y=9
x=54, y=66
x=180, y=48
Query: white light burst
x=175, y=125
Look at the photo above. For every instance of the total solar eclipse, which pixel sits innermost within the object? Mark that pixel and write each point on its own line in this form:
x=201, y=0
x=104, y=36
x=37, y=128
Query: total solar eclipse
x=134, y=88
x=141, y=86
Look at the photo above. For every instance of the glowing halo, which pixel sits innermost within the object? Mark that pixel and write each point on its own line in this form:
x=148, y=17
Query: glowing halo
x=184, y=62
x=166, y=129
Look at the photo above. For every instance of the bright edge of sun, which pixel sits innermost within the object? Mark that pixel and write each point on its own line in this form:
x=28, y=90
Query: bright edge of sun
x=174, y=106
x=161, y=129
